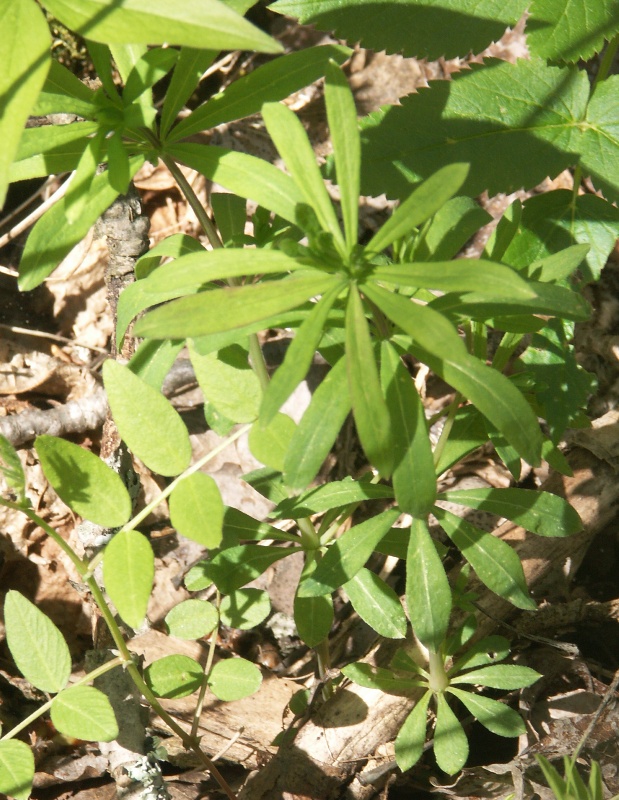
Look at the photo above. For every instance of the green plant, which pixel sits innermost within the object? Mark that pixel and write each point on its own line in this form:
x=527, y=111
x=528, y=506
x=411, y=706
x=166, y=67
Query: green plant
x=572, y=786
x=368, y=308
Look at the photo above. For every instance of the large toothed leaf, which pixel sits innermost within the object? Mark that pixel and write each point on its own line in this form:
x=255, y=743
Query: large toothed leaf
x=128, y=572
x=514, y=123
x=194, y=23
x=570, y=30
x=601, y=138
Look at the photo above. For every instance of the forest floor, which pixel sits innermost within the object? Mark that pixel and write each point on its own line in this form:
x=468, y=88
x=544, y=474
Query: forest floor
x=52, y=344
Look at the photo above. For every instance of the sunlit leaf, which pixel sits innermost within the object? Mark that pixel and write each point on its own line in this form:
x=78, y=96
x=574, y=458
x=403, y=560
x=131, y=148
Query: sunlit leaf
x=84, y=712
x=234, y=679
x=192, y=619
x=128, y=573
x=174, y=676
x=16, y=769
x=197, y=510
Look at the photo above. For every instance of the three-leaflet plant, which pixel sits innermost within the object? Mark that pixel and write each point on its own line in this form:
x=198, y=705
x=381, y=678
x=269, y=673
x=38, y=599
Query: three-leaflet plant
x=370, y=308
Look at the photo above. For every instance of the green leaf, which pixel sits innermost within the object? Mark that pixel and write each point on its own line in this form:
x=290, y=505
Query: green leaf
x=77, y=195
x=139, y=411
x=450, y=229
x=298, y=358
x=197, y=579
x=344, y=132
x=37, y=646
x=570, y=30
x=230, y=211
x=496, y=564
x=428, y=595
x=372, y=677
x=450, y=744
x=192, y=619
x=84, y=712
x=295, y=149
x=335, y=494
x=412, y=735
x=190, y=66
x=515, y=124
x=368, y=404
x=495, y=716
x=489, y=650
x=150, y=68
x=539, y=512
x=197, y=510
x=347, y=555
x=118, y=163
x=552, y=221
x=230, y=308
x=419, y=206
x=196, y=23
x=62, y=92
x=11, y=468
x=467, y=434
x=234, y=679
x=128, y=572
x=234, y=567
x=52, y=239
x=443, y=28
x=175, y=246
x=51, y=149
x=174, y=676
x=601, y=138
x=377, y=604
x=25, y=57
x=242, y=174
x=270, y=82
x=16, y=769
x=271, y=443
x=318, y=428
x=84, y=482
x=245, y=608
x=500, y=676
x=153, y=360
x=414, y=481
x=238, y=525
x=313, y=617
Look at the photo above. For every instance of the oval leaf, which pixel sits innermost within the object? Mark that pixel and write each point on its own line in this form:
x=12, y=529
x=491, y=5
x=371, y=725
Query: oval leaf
x=151, y=427
x=313, y=617
x=84, y=482
x=84, y=712
x=36, y=644
x=197, y=510
x=16, y=769
x=128, y=572
x=412, y=736
x=500, y=676
x=377, y=604
x=174, y=676
x=495, y=716
x=192, y=619
x=245, y=608
x=451, y=747
x=234, y=679
x=270, y=444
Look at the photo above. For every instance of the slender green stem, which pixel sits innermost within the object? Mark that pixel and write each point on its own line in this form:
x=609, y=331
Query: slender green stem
x=323, y=657
x=449, y=422
x=309, y=536
x=439, y=679
x=207, y=672
x=607, y=61
x=258, y=363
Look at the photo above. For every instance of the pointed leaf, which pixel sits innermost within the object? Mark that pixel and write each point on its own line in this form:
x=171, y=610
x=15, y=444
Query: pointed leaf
x=37, y=646
x=238, y=525
x=234, y=679
x=412, y=735
x=496, y=564
x=190, y=66
x=601, y=138
x=234, y=567
x=313, y=617
x=450, y=229
x=128, y=572
x=335, y=494
x=571, y=30
x=414, y=481
x=192, y=619
x=11, y=468
x=84, y=712
x=84, y=482
x=271, y=443
x=174, y=676
x=378, y=678
x=150, y=68
x=451, y=747
x=489, y=650
x=428, y=595
x=16, y=769
x=495, y=716
x=139, y=411
x=51, y=148
x=540, y=512
x=377, y=604
x=62, y=92
x=197, y=510
x=419, y=206
x=500, y=676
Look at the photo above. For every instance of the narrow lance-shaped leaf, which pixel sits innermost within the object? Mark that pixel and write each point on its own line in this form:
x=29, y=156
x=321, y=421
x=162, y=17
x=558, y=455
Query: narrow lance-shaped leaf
x=377, y=604
x=500, y=676
x=11, y=468
x=51, y=148
x=412, y=735
x=414, y=481
x=191, y=64
x=368, y=404
x=235, y=566
x=378, y=678
x=451, y=747
x=497, y=717
x=128, y=573
x=294, y=147
x=335, y=494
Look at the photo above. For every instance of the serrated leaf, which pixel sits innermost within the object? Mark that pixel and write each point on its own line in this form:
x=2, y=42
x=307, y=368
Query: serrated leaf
x=11, y=468
x=313, y=617
x=139, y=411
x=539, y=512
x=128, y=573
x=25, y=57
x=318, y=428
x=601, y=138
x=197, y=510
x=84, y=712
x=37, y=646
x=192, y=619
x=234, y=679
x=84, y=482
x=231, y=308
x=571, y=30
x=174, y=676
x=428, y=595
x=495, y=716
x=245, y=608
x=499, y=676
x=347, y=555
x=234, y=567
x=377, y=604
x=269, y=82
x=16, y=769
x=451, y=747
x=270, y=444
x=204, y=24
x=414, y=481
x=515, y=124
x=444, y=28
x=412, y=735
x=495, y=563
